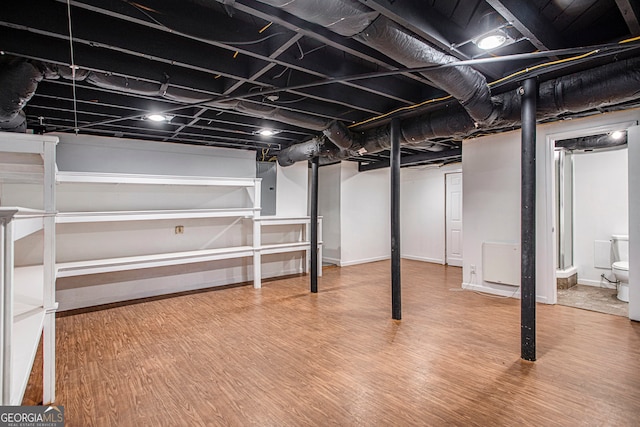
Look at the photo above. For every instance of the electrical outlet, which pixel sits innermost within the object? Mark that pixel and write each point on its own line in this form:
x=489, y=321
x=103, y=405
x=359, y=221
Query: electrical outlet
x=472, y=269
x=179, y=229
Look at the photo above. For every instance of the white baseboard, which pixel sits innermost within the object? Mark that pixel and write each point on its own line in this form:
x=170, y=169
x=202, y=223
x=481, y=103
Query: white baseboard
x=424, y=259
x=363, y=261
x=501, y=292
x=515, y=293
x=597, y=283
x=89, y=296
x=329, y=260
x=282, y=273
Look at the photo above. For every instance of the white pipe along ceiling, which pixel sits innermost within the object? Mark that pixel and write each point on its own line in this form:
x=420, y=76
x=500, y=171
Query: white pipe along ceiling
x=327, y=76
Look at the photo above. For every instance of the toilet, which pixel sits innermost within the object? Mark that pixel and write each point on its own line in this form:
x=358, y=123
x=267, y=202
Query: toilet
x=620, y=267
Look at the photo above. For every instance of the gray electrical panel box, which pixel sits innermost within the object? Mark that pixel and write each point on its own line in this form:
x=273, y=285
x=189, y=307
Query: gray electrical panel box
x=267, y=171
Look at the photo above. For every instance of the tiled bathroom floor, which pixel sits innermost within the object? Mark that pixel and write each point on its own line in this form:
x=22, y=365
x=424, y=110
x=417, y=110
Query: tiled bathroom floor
x=593, y=298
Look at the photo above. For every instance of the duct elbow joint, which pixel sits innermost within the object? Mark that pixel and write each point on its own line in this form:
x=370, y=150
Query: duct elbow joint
x=295, y=153
x=339, y=134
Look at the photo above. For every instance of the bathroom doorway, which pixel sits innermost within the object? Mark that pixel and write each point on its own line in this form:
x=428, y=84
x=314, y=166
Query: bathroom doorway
x=591, y=187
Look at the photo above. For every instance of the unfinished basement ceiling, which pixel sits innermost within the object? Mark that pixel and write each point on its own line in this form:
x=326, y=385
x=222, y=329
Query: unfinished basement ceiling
x=224, y=70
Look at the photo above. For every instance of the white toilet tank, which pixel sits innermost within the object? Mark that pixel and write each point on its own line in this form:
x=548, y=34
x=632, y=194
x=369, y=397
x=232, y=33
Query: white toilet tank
x=620, y=247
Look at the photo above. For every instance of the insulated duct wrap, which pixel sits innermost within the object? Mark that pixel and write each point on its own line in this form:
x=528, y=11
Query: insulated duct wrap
x=19, y=80
x=338, y=133
x=593, y=142
x=123, y=84
x=18, y=83
x=344, y=17
x=599, y=87
x=278, y=114
x=464, y=83
x=378, y=139
x=352, y=18
x=296, y=153
x=452, y=122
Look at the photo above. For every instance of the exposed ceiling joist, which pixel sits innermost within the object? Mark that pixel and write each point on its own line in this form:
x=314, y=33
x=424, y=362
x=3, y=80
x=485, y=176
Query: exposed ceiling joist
x=630, y=10
x=529, y=22
x=415, y=159
x=426, y=22
x=224, y=70
x=420, y=18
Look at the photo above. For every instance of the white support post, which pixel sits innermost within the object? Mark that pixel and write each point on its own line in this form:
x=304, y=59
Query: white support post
x=50, y=305
x=7, y=310
x=307, y=253
x=257, y=256
x=257, y=236
x=320, y=244
x=3, y=271
x=49, y=366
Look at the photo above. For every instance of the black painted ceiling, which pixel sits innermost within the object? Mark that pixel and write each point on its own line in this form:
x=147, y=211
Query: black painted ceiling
x=226, y=49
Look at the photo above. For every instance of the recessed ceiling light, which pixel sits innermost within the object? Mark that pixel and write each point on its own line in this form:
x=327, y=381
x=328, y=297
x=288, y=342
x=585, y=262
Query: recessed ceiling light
x=617, y=134
x=159, y=117
x=266, y=132
x=491, y=40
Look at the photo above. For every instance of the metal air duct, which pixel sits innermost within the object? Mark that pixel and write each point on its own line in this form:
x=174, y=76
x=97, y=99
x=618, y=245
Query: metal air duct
x=600, y=87
x=351, y=18
x=19, y=80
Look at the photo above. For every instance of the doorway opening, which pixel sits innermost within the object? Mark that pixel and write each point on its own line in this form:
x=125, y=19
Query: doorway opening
x=591, y=212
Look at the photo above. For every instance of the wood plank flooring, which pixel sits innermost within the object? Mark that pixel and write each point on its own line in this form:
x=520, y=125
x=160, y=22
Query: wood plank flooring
x=281, y=356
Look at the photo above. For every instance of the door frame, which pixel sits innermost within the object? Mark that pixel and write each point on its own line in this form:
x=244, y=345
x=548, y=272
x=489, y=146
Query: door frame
x=550, y=189
x=446, y=236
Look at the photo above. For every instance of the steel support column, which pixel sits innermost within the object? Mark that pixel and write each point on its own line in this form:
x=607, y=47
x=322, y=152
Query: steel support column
x=396, y=303
x=314, y=225
x=529, y=92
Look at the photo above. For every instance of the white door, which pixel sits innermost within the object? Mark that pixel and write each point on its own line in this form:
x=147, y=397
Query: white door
x=453, y=219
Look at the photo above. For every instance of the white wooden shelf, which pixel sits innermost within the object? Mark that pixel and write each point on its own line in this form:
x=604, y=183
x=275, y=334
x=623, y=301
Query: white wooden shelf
x=27, y=329
x=279, y=248
x=28, y=314
x=27, y=164
x=117, y=178
x=279, y=220
x=108, y=265
x=26, y=221
x=28, y=289
x=152, y=215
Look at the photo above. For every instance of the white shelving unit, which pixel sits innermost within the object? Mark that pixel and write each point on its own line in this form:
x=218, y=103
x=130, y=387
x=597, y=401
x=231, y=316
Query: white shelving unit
x=109, y=183
x=96, y=204
x=28, y=294
x=301, y=244
x=113, y=183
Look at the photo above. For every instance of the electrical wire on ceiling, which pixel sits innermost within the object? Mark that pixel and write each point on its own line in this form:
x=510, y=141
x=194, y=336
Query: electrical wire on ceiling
x=493, y=83
x=263, y=29
x=301, y=51
x=606, y=48
x=398, y=110
x=293, y=101
x=145, y=11
x=277, y=76
x=73, y=72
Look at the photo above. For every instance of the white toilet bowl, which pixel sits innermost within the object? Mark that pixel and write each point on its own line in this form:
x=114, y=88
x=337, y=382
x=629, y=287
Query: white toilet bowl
x=621, y=271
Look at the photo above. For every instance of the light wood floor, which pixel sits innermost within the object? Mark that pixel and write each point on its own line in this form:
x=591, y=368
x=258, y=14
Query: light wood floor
x=280, y=356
